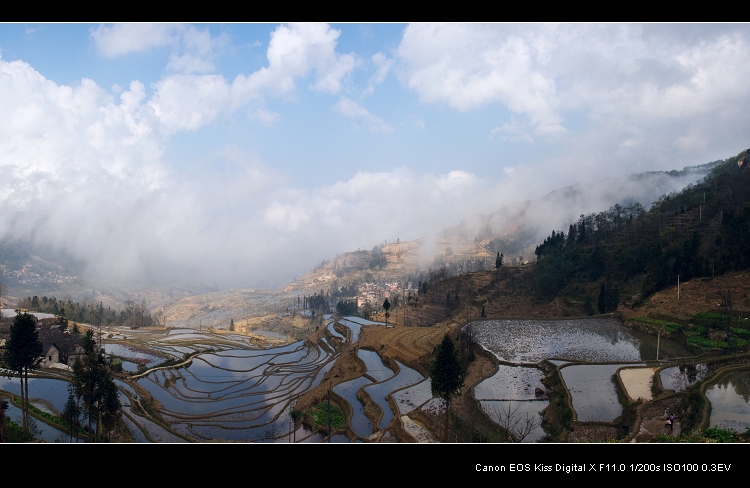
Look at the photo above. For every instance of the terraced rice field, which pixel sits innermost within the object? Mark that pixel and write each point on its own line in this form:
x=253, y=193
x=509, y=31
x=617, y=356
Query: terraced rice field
x=231, y=391
x=573, y=344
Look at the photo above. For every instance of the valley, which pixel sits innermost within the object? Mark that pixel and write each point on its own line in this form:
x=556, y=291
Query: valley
x=259, y=365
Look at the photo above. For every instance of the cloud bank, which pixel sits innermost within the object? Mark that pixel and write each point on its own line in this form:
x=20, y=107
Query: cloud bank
x=93, y=171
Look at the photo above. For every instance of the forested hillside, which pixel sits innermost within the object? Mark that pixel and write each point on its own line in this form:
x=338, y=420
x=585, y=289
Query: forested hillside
x=703, y=230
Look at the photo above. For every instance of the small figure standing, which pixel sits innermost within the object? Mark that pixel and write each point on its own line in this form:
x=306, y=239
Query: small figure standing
x=669, y=423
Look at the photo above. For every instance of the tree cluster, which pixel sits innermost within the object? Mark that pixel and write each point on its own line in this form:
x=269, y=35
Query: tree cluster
x=93, y=384
x=703, y=230
x=347, y=307
x=132, y=315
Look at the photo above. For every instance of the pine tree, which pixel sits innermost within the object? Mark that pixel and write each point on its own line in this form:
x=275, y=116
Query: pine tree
x=23, y=351
x=93, y=383
x=447, y=376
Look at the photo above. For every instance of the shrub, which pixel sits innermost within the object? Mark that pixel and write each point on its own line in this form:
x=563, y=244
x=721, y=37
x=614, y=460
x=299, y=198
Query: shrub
x=721, y=435
x=323, y=413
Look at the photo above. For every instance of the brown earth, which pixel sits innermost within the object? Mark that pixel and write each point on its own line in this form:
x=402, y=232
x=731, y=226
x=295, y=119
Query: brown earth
x=696, y=295
x=413, y=345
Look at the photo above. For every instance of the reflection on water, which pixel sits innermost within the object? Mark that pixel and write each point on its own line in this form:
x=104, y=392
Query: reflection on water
x=379, y=391
x=511, y=383
x=239, y=394
x=375, y=368
x=522, y=418
x=413, y=397
x=54, y=392
x=44, y=432
x=730, y=401
x=678, y=378
x=514, y=398
x=593, y=391
x=601, y=339
x=132, y=354
x=360, y=423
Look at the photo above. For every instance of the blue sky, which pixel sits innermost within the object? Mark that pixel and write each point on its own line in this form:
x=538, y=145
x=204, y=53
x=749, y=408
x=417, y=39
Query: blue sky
x=248, y=153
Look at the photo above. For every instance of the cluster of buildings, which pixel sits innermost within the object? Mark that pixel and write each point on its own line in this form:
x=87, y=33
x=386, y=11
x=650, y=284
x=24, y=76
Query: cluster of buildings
x=25, y=276
x=374, y=293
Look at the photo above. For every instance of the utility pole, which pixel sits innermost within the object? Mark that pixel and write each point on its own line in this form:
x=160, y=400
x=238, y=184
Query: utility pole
x=658, y=339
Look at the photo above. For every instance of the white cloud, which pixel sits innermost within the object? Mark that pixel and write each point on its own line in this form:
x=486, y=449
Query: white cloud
x=118, y=39
x=199, y=51
x=350, y=108
x=187, y=102
x=194, y=49
x=84, y=170
x=661, y=84
x=512, y=131
x=295, y=51
x=383, y=66
x=468, y=66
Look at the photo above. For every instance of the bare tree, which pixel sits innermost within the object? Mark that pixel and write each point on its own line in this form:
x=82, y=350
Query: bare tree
x=516, y=424
x=725, y=302
x=470, y=338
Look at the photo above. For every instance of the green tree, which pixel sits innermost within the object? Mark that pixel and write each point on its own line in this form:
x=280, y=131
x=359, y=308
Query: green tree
x=93, y=383
x=447, y=375
x=23, y=351
x=386, y=306
x=62, y=318
x=71, y=414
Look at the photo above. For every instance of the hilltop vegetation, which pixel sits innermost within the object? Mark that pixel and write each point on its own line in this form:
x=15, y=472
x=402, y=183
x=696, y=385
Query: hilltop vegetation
x=701, y=231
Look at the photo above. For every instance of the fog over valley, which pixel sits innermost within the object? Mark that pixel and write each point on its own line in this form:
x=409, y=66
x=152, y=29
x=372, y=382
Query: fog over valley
x=220, y=156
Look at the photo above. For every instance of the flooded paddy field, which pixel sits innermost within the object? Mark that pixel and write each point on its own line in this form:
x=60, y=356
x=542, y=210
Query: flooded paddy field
x=678, y=378
x=379, y=391
x=233, y=391
x=514, y=393
x=224, y=388
x=571, y=345
x=585, y=339
x=516, y=414
x=131, y=354
x=593, y=391
x=730, y=401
